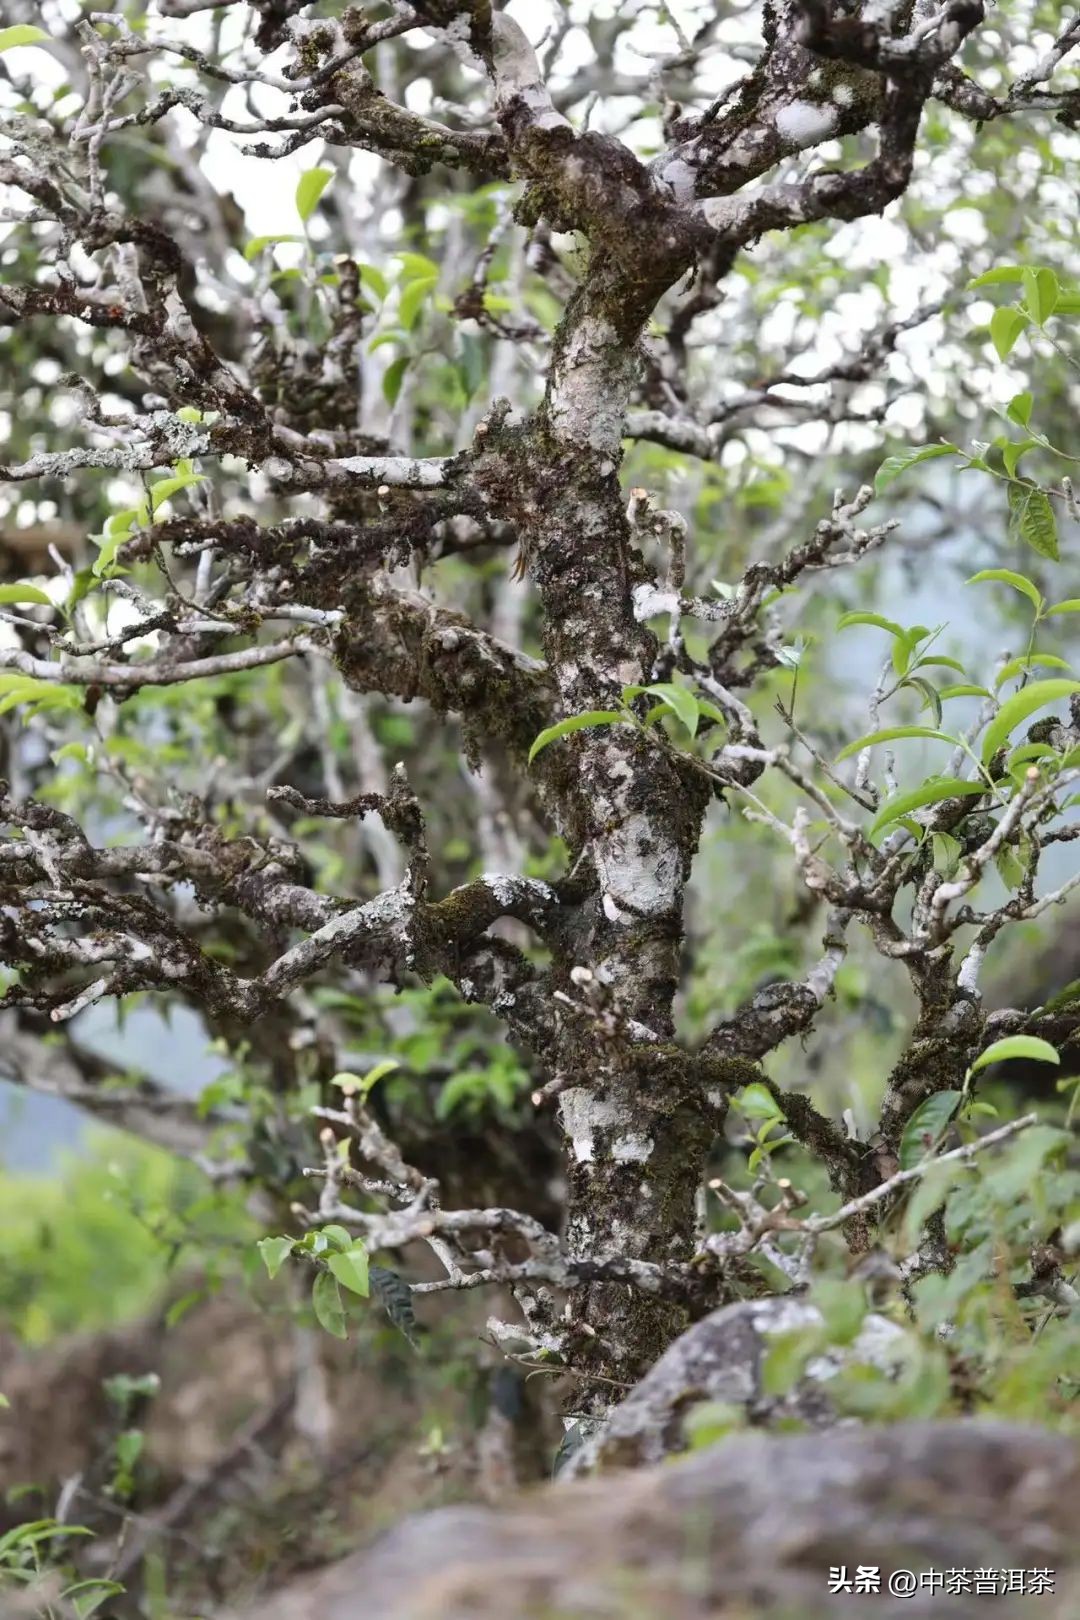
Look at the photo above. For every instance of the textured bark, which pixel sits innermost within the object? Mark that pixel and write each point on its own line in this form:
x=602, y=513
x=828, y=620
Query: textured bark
x=636, y=1139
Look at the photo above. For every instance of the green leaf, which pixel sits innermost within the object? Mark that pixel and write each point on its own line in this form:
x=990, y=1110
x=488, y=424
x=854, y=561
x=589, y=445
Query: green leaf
x=417, y=266
x=930, y=697
x=963, y=690
x=681, y=703
x=129, y=1448
x=846, y=620
x=1031, y=751
x=21, y=34
x=86, y=1597
x=24, y=593
x=842, y=1305
x=574, y=722
x=1020, y=666
x=786, y=1359
x=939, y=661
x=1019, y=409
x=1006, y=325
x=926, y=1126
x=947, y=852
x=1006, y=576
x=326, y=1303
x=1064, y=997
x=108, y=545
x=1010, y=868
x=1011, y=453
x=394, y=377
x=931, y=792
x=339, y=1237
x=471, y=367
x=377, y=1073
x=757, y=1102
x=929, y=1194
x=122, y=523
x=892, y=734
x=1016, y=1046
x=258, y=244
x=709, y=711
x=1070, y=606
x=19, y=689
x=996, y=277
x=1031, y=519
x=1040, y=294
x=1018, y=707
x=893, y=466
x=413, y=297
x=710, y=1421
x=275, y=1251
x=351, y=1269
x=374, y=278
x=309, y=189
x=166, y=488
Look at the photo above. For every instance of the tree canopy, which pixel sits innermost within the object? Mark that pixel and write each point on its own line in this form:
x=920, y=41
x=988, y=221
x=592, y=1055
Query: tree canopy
x=472, y=481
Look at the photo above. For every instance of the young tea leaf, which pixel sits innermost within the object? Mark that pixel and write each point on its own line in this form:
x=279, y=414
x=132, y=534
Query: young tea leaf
x=573, y=722
x=1016, y=1046
x=351, y=1269
x=926, y=1126
x=259, y=243
x=413, y=298
x=326, y=1303
x=1030, y=661
x=1006, y=325
x=1019, y=707
x=1031, y=519
x=1040, y=293
x=681, y=703
x=893, y=466
x=21, y=34
x=1006, y=576
x=394, y=377
x=309, y=189
x=275, y=1251
x=892, y=734
x=24, y=593
x=931, y=792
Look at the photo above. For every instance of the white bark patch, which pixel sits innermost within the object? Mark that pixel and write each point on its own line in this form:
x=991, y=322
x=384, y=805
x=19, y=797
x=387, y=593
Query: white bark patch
x=786, y=1316
x=632, y=1149
x=804, y=124
x=681, y=177
x=639, y=868
x=613, y=911
x=591, y=388
x=517, y=73
x=650, y=602
x=583, y=1114
x=723, y=212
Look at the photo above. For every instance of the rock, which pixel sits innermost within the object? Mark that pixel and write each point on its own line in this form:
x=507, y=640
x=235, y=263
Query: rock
x=748, y=1528
x=720, y=1359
